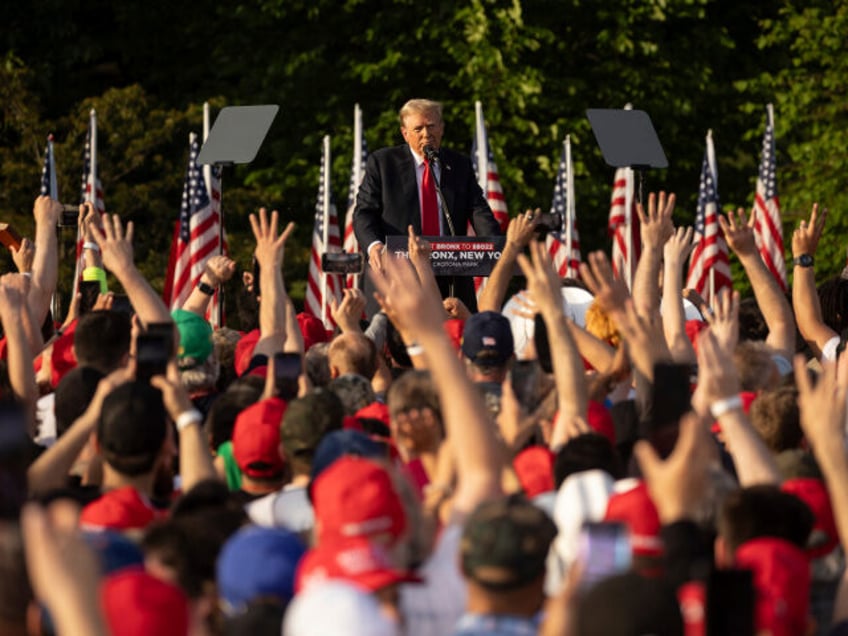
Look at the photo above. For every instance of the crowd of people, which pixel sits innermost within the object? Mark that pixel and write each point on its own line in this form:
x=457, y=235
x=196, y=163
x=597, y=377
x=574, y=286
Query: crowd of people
x=655, y=464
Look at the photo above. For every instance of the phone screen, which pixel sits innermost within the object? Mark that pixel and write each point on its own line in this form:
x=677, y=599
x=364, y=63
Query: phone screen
x=152, y=352
x=342, y=263
x=287, y=369
x=166, y=331
x=540, y=341
x=89, y=291
x=670, y=394
x=604, y=551
x=13, y=460
x=730, y=602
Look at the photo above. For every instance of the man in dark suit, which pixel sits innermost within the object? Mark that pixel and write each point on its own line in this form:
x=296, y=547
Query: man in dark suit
x=391, y=197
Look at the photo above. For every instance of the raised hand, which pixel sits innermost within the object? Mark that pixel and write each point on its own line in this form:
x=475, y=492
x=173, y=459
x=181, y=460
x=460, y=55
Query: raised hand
x=115, y=243
x=542, y=281
x=679, y=246
x=419, y=249
x=805, y=239
x=24, y=255
x=219, y=269
x=610, y=293
x=656, y=225
x=677, y=484
x=522, y=228
x=724, y=319
x=46, y=211
x=413, y=307
x=456, y=308
x=739, y=232
x=348, y=312
x=270, y=247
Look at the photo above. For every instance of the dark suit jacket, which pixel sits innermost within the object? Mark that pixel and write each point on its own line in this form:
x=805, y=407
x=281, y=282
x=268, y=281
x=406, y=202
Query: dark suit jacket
x=387, y=201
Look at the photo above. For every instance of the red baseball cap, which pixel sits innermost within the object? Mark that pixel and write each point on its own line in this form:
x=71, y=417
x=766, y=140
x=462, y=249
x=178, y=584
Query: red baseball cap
x=244, y=351
x=63, y=358
x=635, y=508
x=355, y=497
x=358, y=560
x=600, y=420
x=256, y=438
x=312, y=330
x=138, y=604
x=534, y=467
x=824, y=537
x=120, y=509
x=375, y=411
x=782, y=583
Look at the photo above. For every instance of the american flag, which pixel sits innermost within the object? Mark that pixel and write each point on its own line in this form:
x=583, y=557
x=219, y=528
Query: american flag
x=90, y=192
x=212, y=176
x=709, y=267
x=360, y=154
x=624, y=227
x=321, y=287
x=196, y=234
x=486, y=170
x=48, y=172
x=564, y=245
x=768, y=229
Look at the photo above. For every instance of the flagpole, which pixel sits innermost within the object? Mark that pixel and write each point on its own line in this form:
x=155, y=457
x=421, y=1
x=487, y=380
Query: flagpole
x=482, y=158
x=215, y=314
x=357, y=163
x=326, y=222
x=569, y=204
x=54, y=185
x=714, y=174
x=628, y=218
x=93, y=172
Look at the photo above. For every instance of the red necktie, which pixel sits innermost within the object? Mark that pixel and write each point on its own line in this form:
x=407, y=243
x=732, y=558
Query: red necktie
x=429, y=204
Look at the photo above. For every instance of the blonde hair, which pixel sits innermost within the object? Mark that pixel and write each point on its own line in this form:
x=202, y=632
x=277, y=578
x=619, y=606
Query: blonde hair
x=420, y=106
x=599, y=324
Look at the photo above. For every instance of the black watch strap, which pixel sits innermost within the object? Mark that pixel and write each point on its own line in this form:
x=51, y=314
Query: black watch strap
x=206, y=289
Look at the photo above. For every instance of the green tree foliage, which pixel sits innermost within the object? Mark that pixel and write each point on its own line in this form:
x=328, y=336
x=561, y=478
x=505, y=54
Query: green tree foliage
x=536, y=65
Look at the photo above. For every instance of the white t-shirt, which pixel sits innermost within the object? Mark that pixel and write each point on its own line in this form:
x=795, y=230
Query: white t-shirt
x=288, y=508
x=433, y=607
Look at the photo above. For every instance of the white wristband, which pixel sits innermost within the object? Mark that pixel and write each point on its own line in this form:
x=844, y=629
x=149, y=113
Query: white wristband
x=187, y=418
x=722, y=407
x=27, y=274
x=89, y=245
x=415, y=349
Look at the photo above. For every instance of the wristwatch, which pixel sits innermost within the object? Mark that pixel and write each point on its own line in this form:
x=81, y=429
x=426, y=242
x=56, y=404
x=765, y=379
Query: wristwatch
x=206, y=289
x=804, y=260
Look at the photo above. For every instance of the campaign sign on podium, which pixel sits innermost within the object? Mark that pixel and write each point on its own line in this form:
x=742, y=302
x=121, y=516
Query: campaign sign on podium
x=455, y=255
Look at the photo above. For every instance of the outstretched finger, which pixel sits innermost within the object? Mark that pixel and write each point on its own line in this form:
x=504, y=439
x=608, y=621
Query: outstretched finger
x=130, y=232
x=287, y=232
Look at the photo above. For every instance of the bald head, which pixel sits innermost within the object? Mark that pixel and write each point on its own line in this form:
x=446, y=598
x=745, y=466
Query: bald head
x=352, y=353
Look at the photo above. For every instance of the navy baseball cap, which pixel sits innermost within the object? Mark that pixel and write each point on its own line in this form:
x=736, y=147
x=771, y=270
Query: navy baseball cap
x=487, y=339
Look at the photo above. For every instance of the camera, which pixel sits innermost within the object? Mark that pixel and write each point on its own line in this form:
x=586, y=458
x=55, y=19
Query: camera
x=548, y=222
x=342, y=263
x=70, y=214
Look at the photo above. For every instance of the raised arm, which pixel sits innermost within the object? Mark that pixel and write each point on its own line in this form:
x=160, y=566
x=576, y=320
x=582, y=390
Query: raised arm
x=467, y=423
x=543, y=283
x=117, y=251
x=269, y=253
x=739, y=233
x=657, y=228
x=195, y=460
x=675, y=252
x=218, y=270
x=718, y=396
x=518, y=235
x=13, y=295
x=805, y=299
x=45, y=266
x=822, y=410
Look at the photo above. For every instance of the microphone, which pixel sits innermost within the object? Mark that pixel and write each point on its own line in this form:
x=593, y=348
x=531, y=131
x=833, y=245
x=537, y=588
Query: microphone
x=430, y=153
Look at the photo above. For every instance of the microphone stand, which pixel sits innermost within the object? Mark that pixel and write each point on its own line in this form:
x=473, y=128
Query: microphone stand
x=433, y=158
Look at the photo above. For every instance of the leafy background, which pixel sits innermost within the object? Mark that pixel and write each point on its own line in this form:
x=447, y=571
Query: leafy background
x=536, y=65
